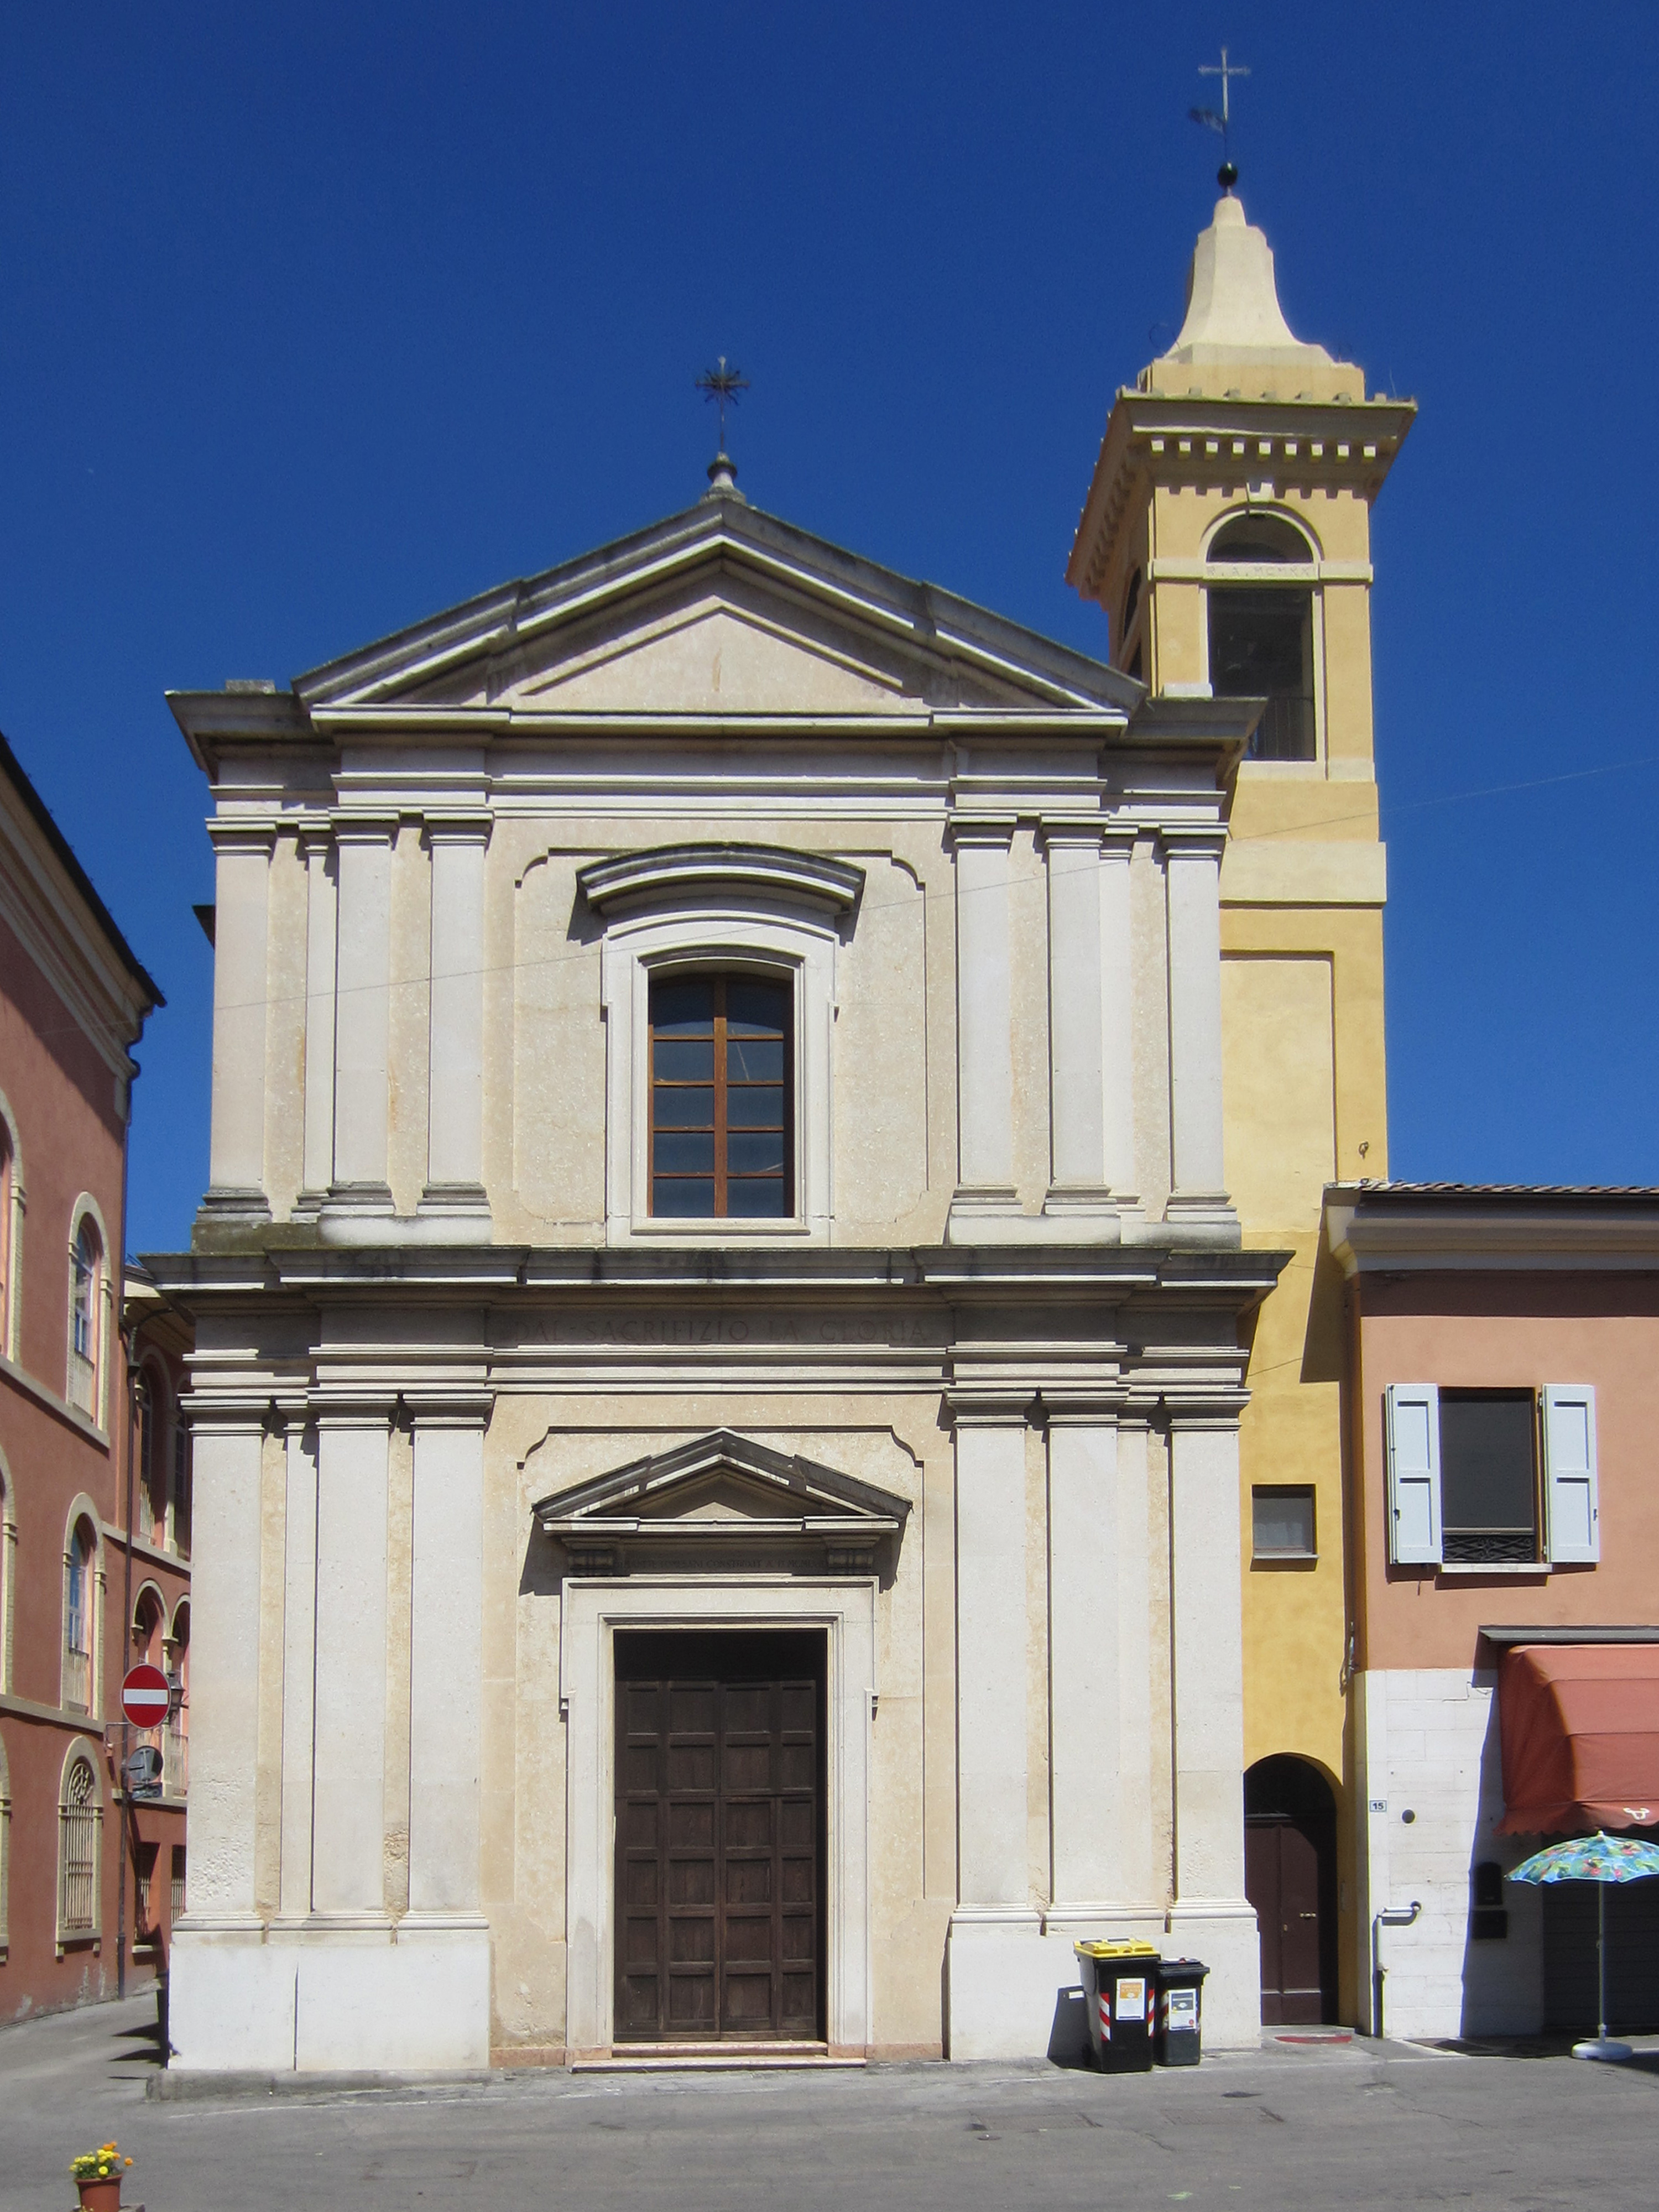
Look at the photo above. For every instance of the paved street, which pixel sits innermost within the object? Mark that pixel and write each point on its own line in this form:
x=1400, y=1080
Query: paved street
x=1352, y=2125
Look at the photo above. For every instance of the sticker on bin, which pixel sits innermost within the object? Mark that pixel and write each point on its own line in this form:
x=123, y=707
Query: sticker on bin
x=1181, y=2009
x=1132, y=1999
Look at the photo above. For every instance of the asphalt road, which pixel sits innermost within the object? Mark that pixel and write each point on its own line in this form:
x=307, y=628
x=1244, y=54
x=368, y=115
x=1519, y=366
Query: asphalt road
x=1352, y=2125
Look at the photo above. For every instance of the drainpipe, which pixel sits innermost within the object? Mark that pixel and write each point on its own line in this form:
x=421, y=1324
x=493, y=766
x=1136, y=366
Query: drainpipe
x=1391, y=1916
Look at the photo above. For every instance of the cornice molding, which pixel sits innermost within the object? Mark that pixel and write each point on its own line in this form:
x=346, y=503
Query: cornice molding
x=1445, y=1238
x=667, y=874
x=1316, y=444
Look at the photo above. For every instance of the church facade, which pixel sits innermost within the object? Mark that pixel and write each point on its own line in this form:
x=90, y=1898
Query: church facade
x=721, y=1332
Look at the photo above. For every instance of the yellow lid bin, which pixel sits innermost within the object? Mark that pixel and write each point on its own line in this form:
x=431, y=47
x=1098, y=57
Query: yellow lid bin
x=1120, y=1983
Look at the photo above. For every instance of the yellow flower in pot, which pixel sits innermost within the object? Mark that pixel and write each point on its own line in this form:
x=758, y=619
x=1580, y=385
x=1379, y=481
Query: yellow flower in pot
x=97, y=2175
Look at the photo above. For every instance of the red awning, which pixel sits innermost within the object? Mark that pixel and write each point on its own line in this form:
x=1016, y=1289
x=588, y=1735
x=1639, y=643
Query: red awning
x=1580, y=1726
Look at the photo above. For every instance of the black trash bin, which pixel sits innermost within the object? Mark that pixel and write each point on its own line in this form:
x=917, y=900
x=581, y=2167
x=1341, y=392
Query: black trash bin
x=1120, y=1988
x=1178, y=2034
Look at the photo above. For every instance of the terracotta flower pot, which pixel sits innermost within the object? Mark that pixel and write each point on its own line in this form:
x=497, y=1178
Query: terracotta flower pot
x=101, y=2196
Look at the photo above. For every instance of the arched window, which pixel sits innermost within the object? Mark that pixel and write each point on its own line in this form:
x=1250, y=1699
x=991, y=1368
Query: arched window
x=1131, y=609
x=175, y=1749
x=79, y=1613
x=7, y=1181
x=720, y=1093
x=1252, y=539
x=80, y=1824
x=147, y=1617
x=1261, y=635
x=86, y=1314
x=155, y=1470
x=182, y=1487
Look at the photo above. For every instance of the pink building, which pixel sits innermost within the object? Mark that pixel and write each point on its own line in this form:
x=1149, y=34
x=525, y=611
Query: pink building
x=1503, y=1404
x=73, y=1002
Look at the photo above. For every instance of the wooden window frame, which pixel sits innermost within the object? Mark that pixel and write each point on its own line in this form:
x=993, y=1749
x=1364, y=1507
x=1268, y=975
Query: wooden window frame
x=717, y=981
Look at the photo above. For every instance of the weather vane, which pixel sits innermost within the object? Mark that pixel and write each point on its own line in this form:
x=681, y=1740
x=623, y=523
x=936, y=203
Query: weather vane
x=724, y=387
x=1227, y=175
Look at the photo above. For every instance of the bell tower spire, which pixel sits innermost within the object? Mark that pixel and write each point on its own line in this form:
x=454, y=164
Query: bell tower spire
x=1227, y=536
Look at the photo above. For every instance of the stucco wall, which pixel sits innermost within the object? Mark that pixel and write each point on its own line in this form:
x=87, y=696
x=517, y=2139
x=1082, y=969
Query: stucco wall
x=1497, y=1332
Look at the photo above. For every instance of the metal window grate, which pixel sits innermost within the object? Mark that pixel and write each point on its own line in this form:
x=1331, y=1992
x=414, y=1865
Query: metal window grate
x=78, y=1851
x=177, y=1881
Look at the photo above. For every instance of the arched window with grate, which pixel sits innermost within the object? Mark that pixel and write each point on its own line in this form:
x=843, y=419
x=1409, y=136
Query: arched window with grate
x=80, y=1824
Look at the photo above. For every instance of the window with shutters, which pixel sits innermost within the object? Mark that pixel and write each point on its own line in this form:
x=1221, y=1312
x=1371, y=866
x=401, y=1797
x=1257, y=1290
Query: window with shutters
x=1491, y=1478
x=720, y=1097
x=1488, y=1478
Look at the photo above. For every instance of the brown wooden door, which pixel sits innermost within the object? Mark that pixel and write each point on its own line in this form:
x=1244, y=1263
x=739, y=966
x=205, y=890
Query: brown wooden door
x=719, y=1829
x=1282, y=1881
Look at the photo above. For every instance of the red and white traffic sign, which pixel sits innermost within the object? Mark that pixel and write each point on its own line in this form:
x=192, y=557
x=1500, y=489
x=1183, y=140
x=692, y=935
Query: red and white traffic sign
x=145, y=1696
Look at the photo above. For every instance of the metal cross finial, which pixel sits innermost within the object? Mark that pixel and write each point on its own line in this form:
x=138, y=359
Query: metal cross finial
x=724, y=387
x=1227, y=175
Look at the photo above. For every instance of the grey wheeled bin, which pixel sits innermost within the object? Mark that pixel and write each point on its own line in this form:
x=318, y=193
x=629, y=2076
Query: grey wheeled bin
x=1177, y=2032
x=1120, y=1989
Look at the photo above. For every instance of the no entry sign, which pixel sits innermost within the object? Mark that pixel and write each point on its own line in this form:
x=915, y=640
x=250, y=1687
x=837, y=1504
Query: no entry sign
x=145, y=1696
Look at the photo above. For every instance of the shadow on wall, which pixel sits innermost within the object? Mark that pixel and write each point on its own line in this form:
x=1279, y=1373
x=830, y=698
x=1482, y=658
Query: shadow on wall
x=1503, y=1946
x=1068, y=2039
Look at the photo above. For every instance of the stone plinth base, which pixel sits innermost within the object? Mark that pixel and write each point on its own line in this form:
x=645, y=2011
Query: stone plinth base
x=1013, y=1978
x=311, y=1998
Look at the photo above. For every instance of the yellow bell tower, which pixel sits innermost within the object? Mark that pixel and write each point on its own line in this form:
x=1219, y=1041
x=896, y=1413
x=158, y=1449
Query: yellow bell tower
x=1227, y=536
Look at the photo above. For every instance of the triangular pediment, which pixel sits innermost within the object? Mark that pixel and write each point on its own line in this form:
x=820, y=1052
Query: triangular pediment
x=720, y=612
x=723, y=1488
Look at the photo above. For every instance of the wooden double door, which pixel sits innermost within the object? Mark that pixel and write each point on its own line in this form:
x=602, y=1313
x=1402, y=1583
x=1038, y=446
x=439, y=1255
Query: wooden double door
x=720, y=1836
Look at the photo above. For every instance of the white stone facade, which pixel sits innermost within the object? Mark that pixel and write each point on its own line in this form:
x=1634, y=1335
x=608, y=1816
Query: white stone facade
x=1430, y=1797
x=997, y=1325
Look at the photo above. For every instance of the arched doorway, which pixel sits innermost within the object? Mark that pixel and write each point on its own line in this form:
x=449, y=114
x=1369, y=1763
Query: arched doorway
x=1289, y=1877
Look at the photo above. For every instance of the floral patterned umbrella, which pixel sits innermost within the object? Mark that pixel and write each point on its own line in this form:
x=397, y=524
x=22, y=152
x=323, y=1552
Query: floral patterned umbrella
x=1599, y=1858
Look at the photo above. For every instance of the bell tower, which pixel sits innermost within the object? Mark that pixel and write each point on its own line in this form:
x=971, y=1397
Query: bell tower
x=1226, y=534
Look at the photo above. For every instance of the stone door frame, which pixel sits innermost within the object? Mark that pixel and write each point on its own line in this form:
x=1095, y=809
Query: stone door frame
x=593, y=1611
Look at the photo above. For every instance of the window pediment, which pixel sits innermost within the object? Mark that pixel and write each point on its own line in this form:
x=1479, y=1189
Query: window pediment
x=672, y=875
x=725, y=1490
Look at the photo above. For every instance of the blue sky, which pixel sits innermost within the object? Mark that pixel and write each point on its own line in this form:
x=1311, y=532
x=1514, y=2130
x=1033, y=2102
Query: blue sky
x=316, y=320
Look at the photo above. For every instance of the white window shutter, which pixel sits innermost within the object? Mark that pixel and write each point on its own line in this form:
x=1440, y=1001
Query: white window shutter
x=1414, y=1419
x=1571, y=1507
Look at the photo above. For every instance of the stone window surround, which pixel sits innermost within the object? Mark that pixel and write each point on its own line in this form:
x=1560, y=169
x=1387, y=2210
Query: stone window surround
x=591, y=1613
x=86, y=1208
x=728, y=934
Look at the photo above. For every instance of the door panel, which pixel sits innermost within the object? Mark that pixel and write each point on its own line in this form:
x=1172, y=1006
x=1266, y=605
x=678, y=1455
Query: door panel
x=719, y=1835
x=1282, y=1880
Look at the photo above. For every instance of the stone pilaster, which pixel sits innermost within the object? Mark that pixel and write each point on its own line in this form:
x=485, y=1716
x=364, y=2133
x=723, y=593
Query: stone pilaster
x=236, y=1144
x=984, y=1077
x=455, y=1187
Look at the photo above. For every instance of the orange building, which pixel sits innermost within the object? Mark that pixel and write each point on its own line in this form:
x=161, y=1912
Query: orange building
x=73, y=1002
x=1502, y=1400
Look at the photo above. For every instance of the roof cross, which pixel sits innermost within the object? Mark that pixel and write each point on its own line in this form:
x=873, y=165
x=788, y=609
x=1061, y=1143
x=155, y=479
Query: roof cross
x=1227, y=175
x=724, y=387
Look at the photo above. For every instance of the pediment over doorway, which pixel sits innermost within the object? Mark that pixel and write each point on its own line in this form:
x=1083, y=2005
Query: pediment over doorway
x=725, y=1493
